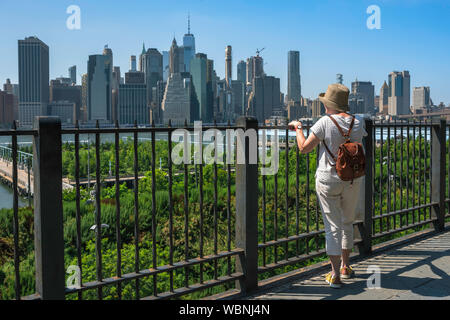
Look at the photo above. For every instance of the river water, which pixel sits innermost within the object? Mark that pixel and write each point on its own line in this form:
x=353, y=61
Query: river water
x=6, y=198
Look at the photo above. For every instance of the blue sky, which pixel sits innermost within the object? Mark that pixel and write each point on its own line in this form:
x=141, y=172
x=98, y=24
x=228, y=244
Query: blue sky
x=331, y=35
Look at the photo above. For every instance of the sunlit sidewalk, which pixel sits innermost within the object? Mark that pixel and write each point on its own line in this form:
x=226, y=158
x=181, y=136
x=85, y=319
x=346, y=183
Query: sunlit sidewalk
x=420, y=270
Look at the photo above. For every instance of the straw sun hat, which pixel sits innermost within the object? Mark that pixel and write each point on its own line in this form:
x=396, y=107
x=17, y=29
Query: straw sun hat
x=336, y=97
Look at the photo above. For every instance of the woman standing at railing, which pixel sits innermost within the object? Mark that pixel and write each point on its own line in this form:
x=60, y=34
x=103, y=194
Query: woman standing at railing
x=337, y=198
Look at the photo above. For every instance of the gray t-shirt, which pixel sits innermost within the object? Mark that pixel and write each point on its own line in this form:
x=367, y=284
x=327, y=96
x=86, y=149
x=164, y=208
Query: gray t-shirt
x=326, y=129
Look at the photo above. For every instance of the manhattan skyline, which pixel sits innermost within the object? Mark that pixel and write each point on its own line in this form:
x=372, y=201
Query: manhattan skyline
x=331, y=37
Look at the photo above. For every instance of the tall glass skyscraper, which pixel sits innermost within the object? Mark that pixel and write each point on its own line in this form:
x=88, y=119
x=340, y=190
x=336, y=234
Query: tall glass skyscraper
x=33, y=79
x=189, y=47
x=73, y=74
x=100, y=86
x=152, y=66
x=399, y=93
x=166, y=69
x=365, y=90
x=241, y=70
x=198, y=69
x=294, y=92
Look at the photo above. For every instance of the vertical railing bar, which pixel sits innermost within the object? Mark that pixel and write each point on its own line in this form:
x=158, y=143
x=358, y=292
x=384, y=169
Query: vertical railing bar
x=401, y=173
x=29, y=181
x=98, y=230
x=407, y=170
x=286, y=188
x=77, y=204
x=117, y=185
x=169, y=162
x=395, y=173
x=186, y=215
x=316, y=237
x=136, y=210
x=229, y=205
x=200, y=186
x=429, y=166
x=297, y=198
x=419, y=194
x=374, y=140
x=388, y=220
x=424, y=167
x=16, y=215
x=381, y=175
x=263, y=146
x=154, y=251
x=246, y=227
x=275, y=216
x=414, y=174
x=307, y=194
x=215, y=199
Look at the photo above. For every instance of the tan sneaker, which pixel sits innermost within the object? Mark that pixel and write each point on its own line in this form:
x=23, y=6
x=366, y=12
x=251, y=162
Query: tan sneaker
x=334, y=282
x=347, y=272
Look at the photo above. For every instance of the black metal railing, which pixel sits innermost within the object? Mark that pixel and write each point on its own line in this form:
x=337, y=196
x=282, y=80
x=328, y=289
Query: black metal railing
x=409, y=178
x=254, y=232
x=156, y=268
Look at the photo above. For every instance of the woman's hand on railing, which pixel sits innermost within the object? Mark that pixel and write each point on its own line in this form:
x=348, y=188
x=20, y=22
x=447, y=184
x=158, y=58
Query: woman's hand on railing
x=295, y=125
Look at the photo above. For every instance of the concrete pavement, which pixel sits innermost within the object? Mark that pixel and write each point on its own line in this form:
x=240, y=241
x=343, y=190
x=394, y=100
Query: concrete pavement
x=420, y=270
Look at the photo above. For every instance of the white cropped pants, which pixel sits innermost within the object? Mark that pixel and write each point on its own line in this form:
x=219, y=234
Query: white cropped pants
x=338, y=200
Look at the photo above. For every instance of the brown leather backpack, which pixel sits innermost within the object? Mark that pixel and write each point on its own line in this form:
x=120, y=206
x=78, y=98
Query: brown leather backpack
x=351, y=161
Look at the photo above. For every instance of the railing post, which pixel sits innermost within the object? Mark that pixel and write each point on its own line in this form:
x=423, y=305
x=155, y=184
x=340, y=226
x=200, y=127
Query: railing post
x=365, y=247
x=247, y=211
x=438, y=174
x=48, y=215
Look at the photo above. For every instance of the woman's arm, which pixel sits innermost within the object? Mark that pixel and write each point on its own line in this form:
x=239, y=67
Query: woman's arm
x=304, y=145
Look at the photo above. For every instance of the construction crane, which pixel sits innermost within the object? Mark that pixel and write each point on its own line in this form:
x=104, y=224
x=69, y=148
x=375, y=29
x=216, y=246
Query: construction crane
x=258, y=51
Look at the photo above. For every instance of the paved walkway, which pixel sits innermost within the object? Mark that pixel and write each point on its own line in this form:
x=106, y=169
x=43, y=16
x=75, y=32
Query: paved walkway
x=22, y=175
x=417, y=271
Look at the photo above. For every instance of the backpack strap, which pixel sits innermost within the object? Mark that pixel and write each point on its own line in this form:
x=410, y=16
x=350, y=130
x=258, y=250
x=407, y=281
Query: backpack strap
x=345, y=135
x=329, y=152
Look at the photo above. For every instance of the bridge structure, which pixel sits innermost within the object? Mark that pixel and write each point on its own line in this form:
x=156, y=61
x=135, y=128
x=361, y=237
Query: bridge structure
x=427, y=115
x=261, y=225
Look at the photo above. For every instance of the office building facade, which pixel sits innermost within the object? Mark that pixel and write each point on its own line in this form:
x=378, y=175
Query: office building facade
x=241, y=72
x=399, y=93
x=188, y=47
x=238, y=90
x=199, y=70
x=317, y=108
x=132, y=77
x=68, y=93
x=265, y=98
x=364, y=90
x=73, y=74
x=421, y=98
x=100, y=88
x=294, y=86
x=132, y=104
x=65, y=110
x=384, y=99
x=33, y=79
x=152, y=66
x=8, y=109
